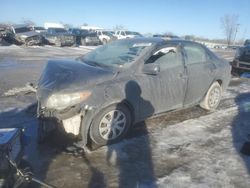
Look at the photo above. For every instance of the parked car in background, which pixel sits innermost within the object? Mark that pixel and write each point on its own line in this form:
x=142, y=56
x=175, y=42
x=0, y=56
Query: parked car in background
x=166, y=37
x=39, y=29
x=59, y=37
x=101, y=95
x=123, y=34
x=5, y=34
x=241, y=62
x=24, y=34
x=84, y=37
x=105, y=36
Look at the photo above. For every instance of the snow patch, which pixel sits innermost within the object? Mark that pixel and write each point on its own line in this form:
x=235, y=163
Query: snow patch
x=26, y=89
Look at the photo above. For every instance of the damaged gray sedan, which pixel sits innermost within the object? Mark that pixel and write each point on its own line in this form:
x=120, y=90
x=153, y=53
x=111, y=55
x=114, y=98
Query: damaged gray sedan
x=99, y=96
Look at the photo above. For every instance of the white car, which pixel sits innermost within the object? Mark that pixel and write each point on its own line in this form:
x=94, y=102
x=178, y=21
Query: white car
x=122, y=34
x=105, y=36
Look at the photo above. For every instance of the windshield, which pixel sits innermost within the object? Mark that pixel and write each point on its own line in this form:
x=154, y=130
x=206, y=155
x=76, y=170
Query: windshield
x=107, y=33
x=60, y=30
x=39, y=28
x=132, y=33
x=22, y=29
x=119, y=53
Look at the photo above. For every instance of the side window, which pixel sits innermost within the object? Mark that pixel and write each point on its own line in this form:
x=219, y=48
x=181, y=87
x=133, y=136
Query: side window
x=77, y=32
x=123, y=33
x=195, y=54
x=49, y=31
x=167, y=57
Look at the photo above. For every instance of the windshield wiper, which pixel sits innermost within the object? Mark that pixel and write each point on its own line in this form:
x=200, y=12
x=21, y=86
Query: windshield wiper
x=93, y=63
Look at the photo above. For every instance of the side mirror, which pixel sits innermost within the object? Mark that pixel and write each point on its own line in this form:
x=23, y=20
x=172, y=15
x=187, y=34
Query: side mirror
x=151, y=69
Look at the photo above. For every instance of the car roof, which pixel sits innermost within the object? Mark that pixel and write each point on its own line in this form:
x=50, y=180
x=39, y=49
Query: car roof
x=145, y=39
x=56, y=28
x=160, y=41
x=21, y=25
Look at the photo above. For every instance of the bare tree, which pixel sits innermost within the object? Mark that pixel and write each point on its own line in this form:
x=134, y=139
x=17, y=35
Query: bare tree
x=168, y=33
x=119, y=27
x=230, y=24
x=28, y=21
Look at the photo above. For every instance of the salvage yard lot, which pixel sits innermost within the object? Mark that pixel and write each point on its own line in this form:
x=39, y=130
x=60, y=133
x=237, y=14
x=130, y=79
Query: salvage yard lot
x=189, y=148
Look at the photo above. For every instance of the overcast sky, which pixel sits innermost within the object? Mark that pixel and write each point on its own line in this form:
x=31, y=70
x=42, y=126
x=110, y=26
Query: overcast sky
x=182, y=17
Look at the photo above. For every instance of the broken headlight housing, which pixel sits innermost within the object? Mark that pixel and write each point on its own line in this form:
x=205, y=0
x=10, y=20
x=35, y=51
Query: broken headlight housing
x=62, y=101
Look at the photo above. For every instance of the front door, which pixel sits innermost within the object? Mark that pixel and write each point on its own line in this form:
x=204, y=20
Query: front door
x=165, y=89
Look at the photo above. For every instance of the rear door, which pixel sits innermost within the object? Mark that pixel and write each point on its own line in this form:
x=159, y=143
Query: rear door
x=200, y=72
x=173, y=78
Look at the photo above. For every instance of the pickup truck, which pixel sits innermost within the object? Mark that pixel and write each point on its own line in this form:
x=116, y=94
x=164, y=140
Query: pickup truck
x=241, y=62
x=123, y=34
x=105, y=36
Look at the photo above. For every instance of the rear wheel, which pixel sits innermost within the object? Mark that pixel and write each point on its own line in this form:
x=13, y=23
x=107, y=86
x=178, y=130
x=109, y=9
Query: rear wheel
x=212, y=98
x=110, y=125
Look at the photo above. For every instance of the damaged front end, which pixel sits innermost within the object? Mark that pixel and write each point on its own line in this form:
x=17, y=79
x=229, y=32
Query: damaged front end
x=34, y=40
x=69, y=118
x=29, y=39
x=65, y=93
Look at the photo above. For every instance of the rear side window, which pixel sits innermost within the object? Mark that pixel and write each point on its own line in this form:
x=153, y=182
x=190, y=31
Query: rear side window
x=195, y=54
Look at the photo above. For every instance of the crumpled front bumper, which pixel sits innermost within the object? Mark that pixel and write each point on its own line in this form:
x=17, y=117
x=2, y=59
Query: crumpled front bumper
x=70, y=118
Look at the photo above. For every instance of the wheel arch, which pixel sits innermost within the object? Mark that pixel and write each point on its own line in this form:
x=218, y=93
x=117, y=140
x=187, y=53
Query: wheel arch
x=90, y=115
x=219, y=81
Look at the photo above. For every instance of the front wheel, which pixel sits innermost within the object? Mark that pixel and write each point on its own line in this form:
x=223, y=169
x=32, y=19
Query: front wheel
x=110, y=125
x=58, y=43
x=212, y=98
x=104, y=41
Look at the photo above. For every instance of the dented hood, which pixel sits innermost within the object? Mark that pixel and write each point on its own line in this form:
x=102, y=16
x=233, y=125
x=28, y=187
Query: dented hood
x=69, y=76
x=27, y=34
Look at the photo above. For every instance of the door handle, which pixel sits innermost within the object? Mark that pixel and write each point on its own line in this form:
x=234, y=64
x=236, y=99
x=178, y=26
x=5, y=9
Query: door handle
x=182, y=76
x=157, y=69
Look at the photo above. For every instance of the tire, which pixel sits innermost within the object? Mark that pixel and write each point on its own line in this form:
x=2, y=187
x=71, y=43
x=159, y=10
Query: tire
x=212, y=98
x=104, y=41
x=103, y=131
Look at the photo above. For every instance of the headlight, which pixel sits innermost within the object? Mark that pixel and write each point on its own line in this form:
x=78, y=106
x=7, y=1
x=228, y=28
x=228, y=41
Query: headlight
x=61, y=101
